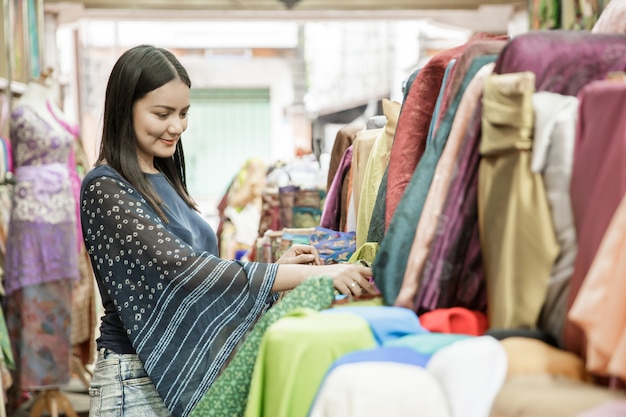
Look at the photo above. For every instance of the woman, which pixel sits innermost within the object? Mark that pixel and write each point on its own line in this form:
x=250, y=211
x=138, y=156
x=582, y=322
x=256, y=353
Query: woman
x=174, y=312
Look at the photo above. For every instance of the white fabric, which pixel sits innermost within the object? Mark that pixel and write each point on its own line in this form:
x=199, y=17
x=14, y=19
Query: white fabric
x=374, y=389
x=471, y=373
x=553, y=152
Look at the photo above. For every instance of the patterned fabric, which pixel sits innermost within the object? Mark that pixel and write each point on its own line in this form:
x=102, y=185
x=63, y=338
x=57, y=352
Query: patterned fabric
x=184, y=311
x=333, y=246
x=39, y=329
x=228, y=395
x=43, y=216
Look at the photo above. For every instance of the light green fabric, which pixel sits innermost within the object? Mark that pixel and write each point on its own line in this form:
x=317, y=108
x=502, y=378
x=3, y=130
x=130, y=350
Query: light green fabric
x=294, y=356
x=227, y=396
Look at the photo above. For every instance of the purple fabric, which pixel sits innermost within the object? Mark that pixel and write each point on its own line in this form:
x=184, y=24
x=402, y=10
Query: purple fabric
x=43, y=213
x=331, y=215
x=563, y=62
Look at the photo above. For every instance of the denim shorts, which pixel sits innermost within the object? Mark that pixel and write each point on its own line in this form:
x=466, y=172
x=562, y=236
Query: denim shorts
x=120, y=387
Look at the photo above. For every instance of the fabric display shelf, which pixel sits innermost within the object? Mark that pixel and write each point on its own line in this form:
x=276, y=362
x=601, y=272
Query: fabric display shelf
x=491, y=205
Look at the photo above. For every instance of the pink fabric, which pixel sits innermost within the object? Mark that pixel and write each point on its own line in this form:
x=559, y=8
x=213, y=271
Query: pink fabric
x=599, y=308
x=598, y=181
x=612, y=19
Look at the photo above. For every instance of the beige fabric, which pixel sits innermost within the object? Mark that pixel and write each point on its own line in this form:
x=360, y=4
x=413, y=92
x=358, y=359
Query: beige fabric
x=361, y=150
x=375, y=169
x=438, y=191
x=599, y=308
x=533, y=356
x=516, y=232
x=544, y=395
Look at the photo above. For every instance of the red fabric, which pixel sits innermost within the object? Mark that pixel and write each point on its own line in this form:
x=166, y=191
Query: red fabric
x=458, y=320
x=409, y=141
x=598, y=181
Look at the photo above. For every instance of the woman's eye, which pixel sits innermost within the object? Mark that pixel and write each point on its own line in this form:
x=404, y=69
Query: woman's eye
x=162, y=115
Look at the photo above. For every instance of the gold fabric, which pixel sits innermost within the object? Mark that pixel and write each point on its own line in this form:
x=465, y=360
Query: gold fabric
x=517, y=236
x=375, y=169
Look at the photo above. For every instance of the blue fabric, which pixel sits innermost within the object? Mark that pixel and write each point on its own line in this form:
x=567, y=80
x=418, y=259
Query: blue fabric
x=387, y=323
x=184, y=311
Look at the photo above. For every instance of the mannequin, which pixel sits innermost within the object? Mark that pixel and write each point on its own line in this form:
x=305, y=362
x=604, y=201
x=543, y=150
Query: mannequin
x=41, y=261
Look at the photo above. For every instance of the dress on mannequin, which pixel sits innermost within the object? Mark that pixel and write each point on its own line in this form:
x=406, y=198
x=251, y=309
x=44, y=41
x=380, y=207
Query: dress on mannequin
x=41, y=261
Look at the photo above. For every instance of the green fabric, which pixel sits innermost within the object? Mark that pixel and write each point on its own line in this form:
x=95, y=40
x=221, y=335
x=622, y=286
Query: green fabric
x=366, y=252
x=5, y=343
x=294, y=356
x=228, y=395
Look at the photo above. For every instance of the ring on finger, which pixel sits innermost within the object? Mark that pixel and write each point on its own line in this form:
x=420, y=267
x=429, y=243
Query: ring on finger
x=353, y=285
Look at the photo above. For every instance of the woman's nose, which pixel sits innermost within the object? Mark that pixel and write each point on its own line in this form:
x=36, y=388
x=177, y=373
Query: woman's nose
x=176, y=126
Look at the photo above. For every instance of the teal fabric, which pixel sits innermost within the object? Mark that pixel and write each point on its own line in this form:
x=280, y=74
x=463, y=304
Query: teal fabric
x=427, y=343
x=392, y=257
x=442, y=91
x=229, y=393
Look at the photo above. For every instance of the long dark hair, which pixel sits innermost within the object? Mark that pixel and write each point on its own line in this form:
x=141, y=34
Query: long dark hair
x=137, y=72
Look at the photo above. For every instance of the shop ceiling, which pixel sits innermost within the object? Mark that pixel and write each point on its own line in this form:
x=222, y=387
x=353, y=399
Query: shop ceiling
x=470, y=12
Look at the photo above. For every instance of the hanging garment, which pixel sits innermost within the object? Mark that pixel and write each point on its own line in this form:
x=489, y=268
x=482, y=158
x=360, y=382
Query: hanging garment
x=516, y=233
x=398, y=245
x=563, y=62
x=417, y=291
x=553, y=152
x=41, y=259
x=229, y=394
x=598, y=181
x=375, y=169
x=294, y=356
x=599, y=308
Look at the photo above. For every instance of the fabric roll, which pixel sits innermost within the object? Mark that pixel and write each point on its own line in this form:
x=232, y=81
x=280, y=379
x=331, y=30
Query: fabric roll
x=553, y=152
x=229, y=393
x=548, y=395
x=516, y=232
x=563, y=62
x=599, y=308
x=391, y=259
x=373, y=389
x=471, y=373
x=375, y=169
x=294, y=355
x=386, y=323
x=598, y=181
x=334, y=212
x=382, y=384
x=610, y=409
x=418, y=291
x=402, y=264
x=417, y=111
x=344, y=138
x=427, y=343
x=361, y=151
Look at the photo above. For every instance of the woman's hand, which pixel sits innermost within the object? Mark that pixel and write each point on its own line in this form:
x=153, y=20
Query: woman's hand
x=300, y=254
x=350, y=279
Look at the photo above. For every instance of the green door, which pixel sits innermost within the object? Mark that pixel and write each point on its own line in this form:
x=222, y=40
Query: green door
x=226, y=128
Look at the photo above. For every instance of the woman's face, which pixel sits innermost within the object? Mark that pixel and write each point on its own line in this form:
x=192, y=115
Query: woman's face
x=160, y=117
